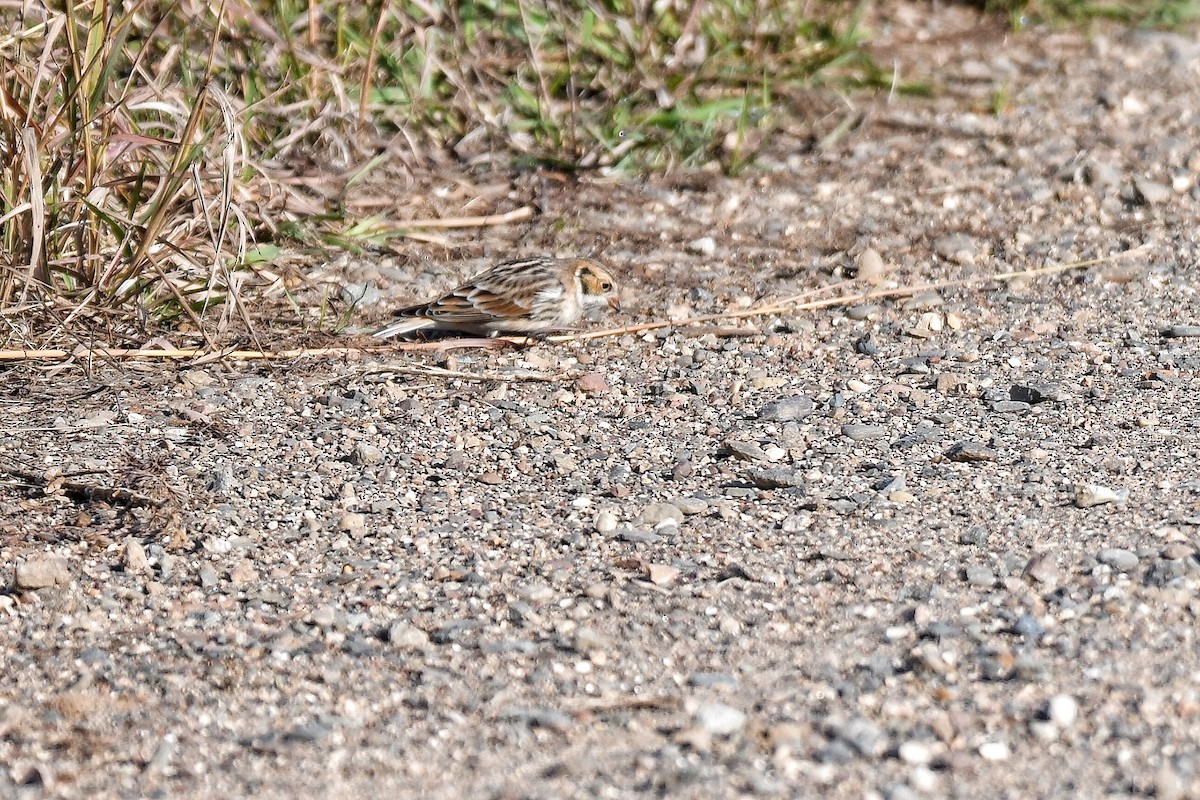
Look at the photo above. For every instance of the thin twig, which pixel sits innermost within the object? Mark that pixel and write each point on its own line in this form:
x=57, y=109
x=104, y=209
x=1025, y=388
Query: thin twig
x=795, y=303
x=516, y=215
x=241, y=355
x=427, y=370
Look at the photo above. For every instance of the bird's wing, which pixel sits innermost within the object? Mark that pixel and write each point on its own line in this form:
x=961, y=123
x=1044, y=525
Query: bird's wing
x=470, y=304
x=509, y=291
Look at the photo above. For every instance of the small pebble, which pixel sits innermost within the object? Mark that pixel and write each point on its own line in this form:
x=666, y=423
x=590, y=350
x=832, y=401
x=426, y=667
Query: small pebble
x=1033, y=393
x=41, y=572
x=1010, y=407
x=787, y=409
x=606, y=522
x=705, y=246
x=657, y=513
x=1089, y=495
x=777, y=478
x=870, y=266
x=718, y=719
x=1062, y=710
x=662, y=574
x=1150, y=192
x=746, y=451
x=366, y=454
x=994, y=751
x=592, y=383
x=957, y=248
x=971, y=452
x=407, y=636
x=915, y=752
x=135, y=560
x=1118, y=558
x=863, y=433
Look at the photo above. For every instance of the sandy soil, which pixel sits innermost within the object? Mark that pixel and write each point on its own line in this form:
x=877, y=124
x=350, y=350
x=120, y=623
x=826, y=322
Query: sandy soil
x=942, y=543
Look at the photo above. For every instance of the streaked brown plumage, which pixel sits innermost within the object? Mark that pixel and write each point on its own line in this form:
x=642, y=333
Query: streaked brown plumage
x=531, y=295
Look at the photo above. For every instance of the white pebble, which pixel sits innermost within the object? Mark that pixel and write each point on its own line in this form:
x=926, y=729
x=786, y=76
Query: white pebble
x=705, y=246
x=914, y=752
x=994, y=751
x=924, y=780
x=719, y=719
x=606, y=522
x=870, y=265
x=1063, y=710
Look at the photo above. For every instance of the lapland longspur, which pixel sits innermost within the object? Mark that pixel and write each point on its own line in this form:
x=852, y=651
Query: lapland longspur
x=530, y=295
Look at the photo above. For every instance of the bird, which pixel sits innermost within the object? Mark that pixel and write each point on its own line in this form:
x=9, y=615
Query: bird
x=526, y=295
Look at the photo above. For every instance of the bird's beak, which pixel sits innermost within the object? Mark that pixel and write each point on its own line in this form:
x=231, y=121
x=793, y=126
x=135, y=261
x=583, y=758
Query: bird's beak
x=614, y=303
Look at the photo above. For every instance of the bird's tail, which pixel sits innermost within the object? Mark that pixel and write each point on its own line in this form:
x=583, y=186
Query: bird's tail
x=403, y=326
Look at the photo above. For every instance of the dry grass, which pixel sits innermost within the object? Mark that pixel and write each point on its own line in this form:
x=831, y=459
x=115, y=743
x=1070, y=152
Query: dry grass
x=147, y=149
x=157, y=157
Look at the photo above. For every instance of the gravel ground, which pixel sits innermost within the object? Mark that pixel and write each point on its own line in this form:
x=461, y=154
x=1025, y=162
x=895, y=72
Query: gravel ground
x=938, y=545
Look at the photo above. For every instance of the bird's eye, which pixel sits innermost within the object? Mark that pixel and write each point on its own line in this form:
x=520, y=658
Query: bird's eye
x=606, y=287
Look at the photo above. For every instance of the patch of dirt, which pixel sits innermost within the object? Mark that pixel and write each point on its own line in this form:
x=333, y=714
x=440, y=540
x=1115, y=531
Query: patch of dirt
x=933, y=545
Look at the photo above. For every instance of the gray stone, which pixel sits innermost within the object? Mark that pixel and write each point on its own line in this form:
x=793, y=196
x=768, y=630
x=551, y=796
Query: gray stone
x=366, y=454
x=407, y=636
x=777, y=478
x=1033, y=393
x=863, y=433
x=786, y=409
x=1010, y=407
x=746, y=451
x=971, y=452
x=957, y=248
x=208, y=576
x=690, y=505
x=864, y=736
x=1101, y=174
x=637, y=536
x=981, y=576
x=1118, y=558
x=1182, y=332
